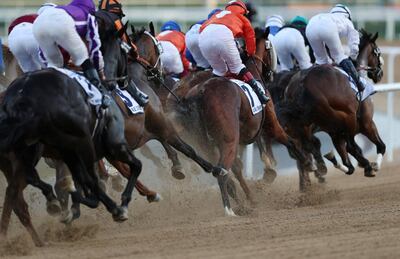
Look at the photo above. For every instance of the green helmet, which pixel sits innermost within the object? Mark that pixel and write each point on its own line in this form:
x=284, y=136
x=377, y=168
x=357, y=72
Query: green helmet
x=299, y=20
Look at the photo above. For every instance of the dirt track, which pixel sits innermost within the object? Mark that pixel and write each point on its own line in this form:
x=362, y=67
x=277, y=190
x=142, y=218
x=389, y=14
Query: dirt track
x=351, y=217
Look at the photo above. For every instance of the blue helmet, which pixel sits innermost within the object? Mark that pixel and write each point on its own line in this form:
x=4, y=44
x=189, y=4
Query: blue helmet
x=216, y=10
x=171, y=26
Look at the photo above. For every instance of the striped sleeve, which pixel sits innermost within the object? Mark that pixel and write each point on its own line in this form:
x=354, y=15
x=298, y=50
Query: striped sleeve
x=93, y=38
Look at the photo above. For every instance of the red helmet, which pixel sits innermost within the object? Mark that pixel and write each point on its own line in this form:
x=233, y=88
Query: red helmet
x=238, y=3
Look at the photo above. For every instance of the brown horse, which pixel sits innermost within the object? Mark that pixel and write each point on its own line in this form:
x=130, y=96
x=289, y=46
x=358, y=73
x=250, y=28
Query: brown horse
x=220, y=111
x=336, y=111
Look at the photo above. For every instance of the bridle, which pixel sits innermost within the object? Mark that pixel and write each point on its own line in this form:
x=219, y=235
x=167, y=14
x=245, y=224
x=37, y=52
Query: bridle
x=377, y=70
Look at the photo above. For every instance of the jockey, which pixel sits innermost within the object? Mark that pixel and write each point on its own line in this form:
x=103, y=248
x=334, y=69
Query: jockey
x=23, y=44
x=173, y=57
x=66, y=26
x=192, y=42
x=291, y=42
x=274, y=24
x=217, y=44
x=114, y=7
x=325, y=30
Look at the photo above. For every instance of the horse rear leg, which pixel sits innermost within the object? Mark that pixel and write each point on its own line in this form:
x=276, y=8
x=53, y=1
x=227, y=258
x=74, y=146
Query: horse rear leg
x=143, y=190
x=267, y=156
x=177, y=169
x=356, y=152
x=340, y=144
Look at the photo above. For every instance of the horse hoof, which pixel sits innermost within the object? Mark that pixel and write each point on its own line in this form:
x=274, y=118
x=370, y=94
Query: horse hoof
x=322, y=169
x=53, y=208
x=116, y=183
x=121, y=214
x=269, y=175
x=369, y=173
x=321, y=180
x=177, y=172
x=374, y=166
x=154, y=198
x=229, y=212
x=67, y=217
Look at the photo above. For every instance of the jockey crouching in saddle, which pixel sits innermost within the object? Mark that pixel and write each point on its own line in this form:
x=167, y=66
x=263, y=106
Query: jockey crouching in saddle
x=23, y=44
x=192, y=44
x=173, y=56
x=217, y=44
x=325, y=30
x=291, y=43
x=274, y=24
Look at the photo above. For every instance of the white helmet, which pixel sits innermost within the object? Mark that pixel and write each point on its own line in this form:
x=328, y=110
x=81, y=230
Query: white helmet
x=340, y=8
x=45, y=6
x=275, y=20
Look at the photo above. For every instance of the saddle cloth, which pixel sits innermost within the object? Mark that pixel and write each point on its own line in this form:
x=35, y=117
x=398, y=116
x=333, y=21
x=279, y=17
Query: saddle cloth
x=369, y=87
x=252, y=97
x=130, y=102
x=93, y=94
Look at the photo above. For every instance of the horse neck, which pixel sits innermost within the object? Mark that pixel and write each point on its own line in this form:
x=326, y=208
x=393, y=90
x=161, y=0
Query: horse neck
x=362, y=58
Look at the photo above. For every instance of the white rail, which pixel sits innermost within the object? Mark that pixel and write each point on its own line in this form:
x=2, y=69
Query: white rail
x=390, y=54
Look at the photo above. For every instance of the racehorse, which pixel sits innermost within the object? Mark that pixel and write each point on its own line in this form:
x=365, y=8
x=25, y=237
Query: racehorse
x=323, y=97
x=224, y=114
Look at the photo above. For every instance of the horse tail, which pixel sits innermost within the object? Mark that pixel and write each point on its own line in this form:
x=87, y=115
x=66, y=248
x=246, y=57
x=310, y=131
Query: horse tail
x=288, y=111
x=16, y=120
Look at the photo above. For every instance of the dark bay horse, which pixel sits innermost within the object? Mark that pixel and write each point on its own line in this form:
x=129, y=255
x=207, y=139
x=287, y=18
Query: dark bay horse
x=324, y=99
x=221, y=112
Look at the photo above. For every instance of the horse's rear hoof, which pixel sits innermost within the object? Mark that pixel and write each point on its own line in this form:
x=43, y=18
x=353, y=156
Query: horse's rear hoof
x=269, y=175
x=67, y=217
x=374, y=166
x=154, y=198
x=177, y=172
x=121, y=214
x=229, y=212
x=369, y=173
x=53, y=208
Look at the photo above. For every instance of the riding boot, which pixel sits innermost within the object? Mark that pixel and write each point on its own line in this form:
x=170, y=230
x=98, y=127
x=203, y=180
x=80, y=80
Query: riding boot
x=141, y=98
x=350, y=69
x=91, y=74
x=248, y=78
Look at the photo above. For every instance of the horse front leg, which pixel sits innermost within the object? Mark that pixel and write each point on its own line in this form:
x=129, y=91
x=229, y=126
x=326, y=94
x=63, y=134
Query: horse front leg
x=176, y=169
x=356, y=152
x=340, y=144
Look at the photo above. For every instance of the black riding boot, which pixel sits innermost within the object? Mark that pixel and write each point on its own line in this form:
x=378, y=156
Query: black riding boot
x=91, y=74
x=247, y=77
x=140, y=97
x=348, y=66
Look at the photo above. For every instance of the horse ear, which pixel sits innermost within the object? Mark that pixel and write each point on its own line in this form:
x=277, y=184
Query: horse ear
x=123, y=30
x=266, y=32
x=375, y=37
x=152, y=30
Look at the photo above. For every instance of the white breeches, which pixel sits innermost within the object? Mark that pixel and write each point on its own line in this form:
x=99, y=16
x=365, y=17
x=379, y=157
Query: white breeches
x=171, y=59
x=192, y=44
x=219, y=48
x=322, y=31
x=289, y=44
x=53, y=28
x=25, y=48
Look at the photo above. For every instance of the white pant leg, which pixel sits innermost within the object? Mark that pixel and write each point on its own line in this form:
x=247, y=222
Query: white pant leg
x=218, y=46
x=299, y=50
x=313, y=33
x=192, y=44
x=170, y=58
x=24, y=47
x=332, y=41
x=283, y=43
x=53, y=28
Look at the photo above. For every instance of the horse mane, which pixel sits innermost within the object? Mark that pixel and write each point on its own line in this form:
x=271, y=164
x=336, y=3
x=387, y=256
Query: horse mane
x=365, y=38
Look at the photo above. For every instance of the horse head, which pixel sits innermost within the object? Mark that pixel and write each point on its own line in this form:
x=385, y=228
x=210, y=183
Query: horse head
x=111, y=30
x=265, y=53
x=370, y=58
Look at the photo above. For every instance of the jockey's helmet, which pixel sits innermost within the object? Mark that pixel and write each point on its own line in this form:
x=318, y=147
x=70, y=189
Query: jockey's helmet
x=170, y=26
x=299, y=21
x=216, y=10
x=237, y=6
x=275, y=20
x=44, y=7
x=340, y=8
